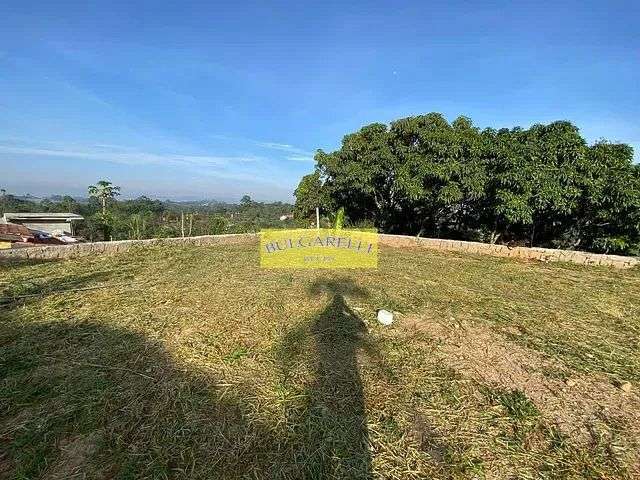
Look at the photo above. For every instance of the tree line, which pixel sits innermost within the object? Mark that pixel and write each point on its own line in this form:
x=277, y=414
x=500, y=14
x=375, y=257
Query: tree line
x=540, y=186
x=108, y=218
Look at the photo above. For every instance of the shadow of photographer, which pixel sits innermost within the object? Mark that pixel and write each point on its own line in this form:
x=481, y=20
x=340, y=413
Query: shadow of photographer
x=333, y=420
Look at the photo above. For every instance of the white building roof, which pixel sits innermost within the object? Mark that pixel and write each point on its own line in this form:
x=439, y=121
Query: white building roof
x=45, y=216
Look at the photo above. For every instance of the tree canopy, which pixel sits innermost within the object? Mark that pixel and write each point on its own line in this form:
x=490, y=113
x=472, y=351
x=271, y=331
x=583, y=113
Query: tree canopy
x=541, y=186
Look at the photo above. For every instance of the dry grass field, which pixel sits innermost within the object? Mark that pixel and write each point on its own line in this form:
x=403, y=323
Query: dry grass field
x=195, y=363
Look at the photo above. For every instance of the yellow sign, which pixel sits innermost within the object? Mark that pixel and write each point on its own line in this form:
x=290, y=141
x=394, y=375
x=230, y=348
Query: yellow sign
x=323, y=248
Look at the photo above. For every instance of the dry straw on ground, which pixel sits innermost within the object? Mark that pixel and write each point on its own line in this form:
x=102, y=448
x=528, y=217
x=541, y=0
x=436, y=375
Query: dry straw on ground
x=194, y=363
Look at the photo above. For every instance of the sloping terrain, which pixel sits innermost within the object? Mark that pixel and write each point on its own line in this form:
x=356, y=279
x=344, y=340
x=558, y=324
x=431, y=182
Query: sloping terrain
x=167, y=362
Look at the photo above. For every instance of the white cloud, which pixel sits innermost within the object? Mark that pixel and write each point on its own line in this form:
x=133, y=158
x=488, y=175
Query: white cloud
x=116, y=154
x=293, y=153
x=296, y=154
x=300, y=158
x=276, y=146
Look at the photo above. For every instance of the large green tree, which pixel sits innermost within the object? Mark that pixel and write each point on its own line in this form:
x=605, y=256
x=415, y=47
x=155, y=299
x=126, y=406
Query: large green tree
x=608, y=217
x=534, y=179
x=538, y=186
x=438, y=170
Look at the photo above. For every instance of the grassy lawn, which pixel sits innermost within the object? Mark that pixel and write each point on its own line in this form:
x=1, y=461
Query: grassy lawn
x=195, y=363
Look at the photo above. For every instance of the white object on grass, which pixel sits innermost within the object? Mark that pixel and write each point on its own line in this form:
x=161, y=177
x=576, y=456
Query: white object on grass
x=385, y=317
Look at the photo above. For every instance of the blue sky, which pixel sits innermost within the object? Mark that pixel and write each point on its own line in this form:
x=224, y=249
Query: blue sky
x=214, y=100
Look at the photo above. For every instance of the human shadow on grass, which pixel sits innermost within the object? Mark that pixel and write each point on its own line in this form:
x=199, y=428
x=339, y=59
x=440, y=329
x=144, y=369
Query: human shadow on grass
x=331, y=425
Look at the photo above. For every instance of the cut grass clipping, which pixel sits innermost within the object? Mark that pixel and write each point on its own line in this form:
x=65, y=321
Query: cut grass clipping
x=195, y=363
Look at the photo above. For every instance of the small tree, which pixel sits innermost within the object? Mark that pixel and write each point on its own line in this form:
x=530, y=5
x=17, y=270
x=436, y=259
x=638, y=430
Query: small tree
x=104, y=191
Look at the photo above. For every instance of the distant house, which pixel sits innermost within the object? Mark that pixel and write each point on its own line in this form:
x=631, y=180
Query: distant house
x=11, y=233
x=51, y=223
x=288, y=216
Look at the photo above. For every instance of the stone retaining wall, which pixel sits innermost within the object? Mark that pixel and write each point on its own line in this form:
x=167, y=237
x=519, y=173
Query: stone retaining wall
x=47, y=252
x=526, y=253
x=541, y=254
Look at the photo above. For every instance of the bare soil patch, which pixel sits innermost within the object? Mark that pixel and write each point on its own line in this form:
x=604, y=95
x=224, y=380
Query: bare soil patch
x=582, y=406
